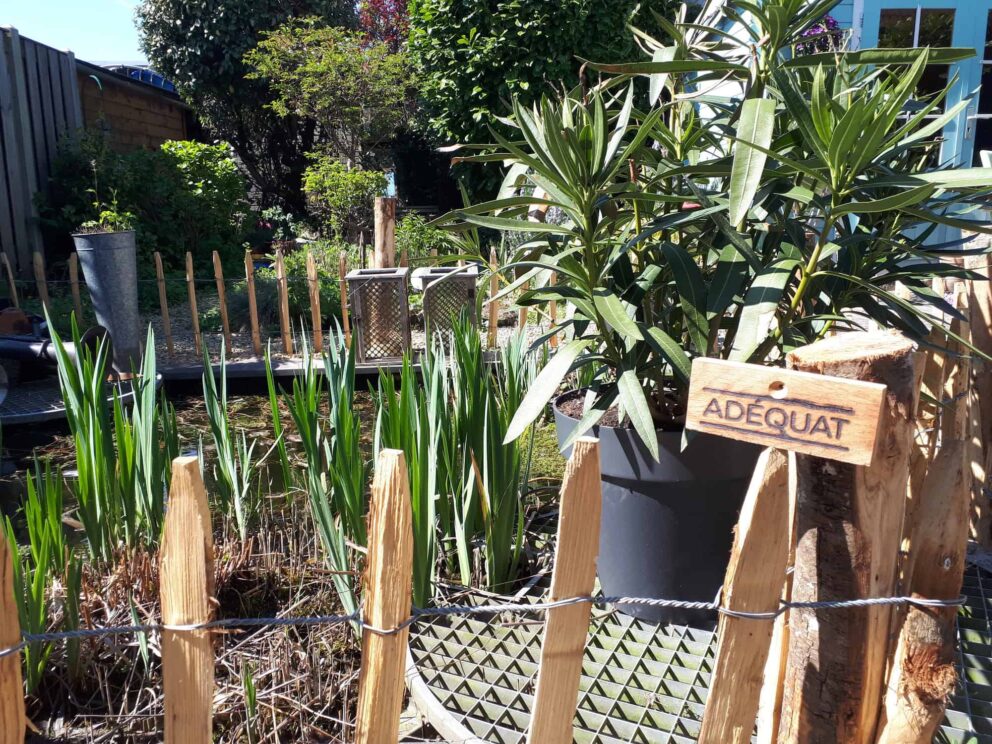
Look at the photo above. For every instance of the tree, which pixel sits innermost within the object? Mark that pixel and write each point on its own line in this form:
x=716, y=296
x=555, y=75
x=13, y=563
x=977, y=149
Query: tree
x=200, y=45
x=386, y=21
x=355, y=91
x=474, y=56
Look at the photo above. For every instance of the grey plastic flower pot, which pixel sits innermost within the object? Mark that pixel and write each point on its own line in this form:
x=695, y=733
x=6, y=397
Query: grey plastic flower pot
x=667, y=526
x=110, y=270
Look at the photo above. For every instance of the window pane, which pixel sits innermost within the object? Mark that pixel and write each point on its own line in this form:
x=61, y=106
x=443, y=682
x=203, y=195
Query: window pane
x=896, y=26
x=936, y=28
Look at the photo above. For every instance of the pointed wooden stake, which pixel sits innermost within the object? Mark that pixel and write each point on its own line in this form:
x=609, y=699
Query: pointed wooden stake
x=388, y=579
x=11, y=282
x=574, y=575
x=222, y=300
x=77, y=300
x=493, y=302
x=163, y=301
x=343, y=290
x=39, y=277
x=186, y=574
x=313, y=285
x=12, y=719
x=194, y=315
x=256, y=337
x=754, y=582
x=283, y=287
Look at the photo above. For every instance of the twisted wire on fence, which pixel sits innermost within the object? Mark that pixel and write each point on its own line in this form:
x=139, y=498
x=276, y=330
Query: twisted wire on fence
x=418, y=613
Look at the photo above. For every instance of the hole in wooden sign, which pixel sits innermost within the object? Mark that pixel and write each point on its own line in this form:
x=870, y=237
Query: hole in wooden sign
x=777, y=390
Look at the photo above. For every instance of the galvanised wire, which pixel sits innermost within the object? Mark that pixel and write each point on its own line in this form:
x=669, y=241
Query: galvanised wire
x=418, y=613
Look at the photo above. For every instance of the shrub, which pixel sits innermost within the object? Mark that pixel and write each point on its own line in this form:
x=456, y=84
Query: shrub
x=342, y=197
x=186, y=196
x=418, y=238
x=200, y=44
x=326, y=253
x=355, y=90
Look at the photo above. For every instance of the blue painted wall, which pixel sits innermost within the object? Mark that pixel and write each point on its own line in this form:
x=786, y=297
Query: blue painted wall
x=844, y=13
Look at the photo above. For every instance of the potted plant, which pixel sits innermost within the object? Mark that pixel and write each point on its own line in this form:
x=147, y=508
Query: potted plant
x=107, y=253
x=742, y=228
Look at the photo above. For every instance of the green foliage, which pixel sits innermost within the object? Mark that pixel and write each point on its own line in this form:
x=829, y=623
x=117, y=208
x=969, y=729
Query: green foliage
x=800, y=200
x=416, y=237
x=326, y=255
x=123, y=456
x=341, y=197
x=354, y=89
x=200, y=46
x=186, y=196
x=238, y=493
x=465, y=481
x=473, y=56
x=335, y=471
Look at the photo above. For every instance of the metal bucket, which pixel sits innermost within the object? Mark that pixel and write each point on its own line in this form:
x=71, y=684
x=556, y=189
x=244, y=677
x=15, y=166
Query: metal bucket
x=110, y=270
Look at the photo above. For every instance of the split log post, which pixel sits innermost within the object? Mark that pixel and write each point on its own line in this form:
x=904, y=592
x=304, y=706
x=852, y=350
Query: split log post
x=77, y=300
x=256, y=336
x=773, y=682
x=343, y=291
x=283, y=287
x=163, y=302
x=849, y=522
x=11, y=282
x=194, y=315
x=12, y=716
x=313, y=285
x=923, y=675
x=388, y=578
x=493, y=334
x=754, y=582
x=39, y=278
x=980, y=311
x=385, y=232
x=574, y=575
x=222, y=300
x=186, y=571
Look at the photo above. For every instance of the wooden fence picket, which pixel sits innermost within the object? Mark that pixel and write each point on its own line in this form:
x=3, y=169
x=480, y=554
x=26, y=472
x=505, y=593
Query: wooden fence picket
x=222, y=300
x=194, y=315
x=493, y=335
x=77, y=300
x=755, y=578
x=388, y=580
x=256, y=336
x=313, y=286
x=343, y=291
x=186, y=577
x=284, y=324
x=163, y=301
x=11, y=282
x=12, y=718
x=574, y=575
x=40, y=281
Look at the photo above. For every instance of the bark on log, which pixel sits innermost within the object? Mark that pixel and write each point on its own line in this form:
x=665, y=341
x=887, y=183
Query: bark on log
x=923, y=675
x=849, y=523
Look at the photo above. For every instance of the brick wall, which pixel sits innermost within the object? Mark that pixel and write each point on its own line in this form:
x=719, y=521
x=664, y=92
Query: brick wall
x=133, y=114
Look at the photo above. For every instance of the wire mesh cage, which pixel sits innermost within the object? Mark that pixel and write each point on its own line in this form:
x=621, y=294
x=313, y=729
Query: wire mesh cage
x=380, y=312
x=448, y=291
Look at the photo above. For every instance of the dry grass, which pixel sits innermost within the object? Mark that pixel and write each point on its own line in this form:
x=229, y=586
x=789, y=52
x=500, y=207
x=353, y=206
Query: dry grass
x=305, y=677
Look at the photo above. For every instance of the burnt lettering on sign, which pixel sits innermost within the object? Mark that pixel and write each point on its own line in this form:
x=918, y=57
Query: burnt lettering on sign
x=789, y=419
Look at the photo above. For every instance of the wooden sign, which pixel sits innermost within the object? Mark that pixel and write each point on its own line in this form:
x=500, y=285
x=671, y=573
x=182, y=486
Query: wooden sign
x=813, y=414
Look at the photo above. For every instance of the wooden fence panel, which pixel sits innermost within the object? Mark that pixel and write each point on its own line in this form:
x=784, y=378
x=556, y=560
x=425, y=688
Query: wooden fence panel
x=39, y=106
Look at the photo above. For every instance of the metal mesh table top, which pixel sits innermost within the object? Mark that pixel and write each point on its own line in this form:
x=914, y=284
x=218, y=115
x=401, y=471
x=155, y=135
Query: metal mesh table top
x=640, y=682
